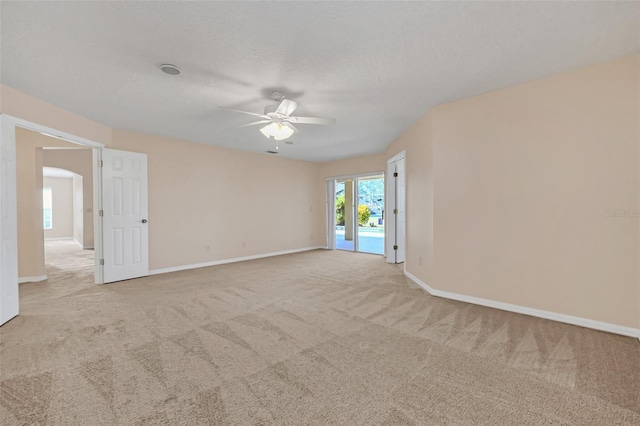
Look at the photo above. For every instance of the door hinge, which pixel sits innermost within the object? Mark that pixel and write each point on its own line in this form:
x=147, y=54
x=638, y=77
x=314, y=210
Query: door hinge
x=395, y=211
x=395, y=247
x=101, y=213
x=101, y=262
x=100, y=163
x=395, y=174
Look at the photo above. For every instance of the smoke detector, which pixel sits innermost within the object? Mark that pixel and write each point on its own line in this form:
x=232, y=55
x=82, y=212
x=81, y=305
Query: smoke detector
x=170, y=69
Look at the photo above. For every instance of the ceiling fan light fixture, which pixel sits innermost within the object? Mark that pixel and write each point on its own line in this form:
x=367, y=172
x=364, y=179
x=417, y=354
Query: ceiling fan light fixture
x=277, y=131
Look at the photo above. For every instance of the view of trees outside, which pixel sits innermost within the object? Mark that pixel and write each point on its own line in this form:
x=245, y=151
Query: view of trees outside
x=371, y=194
x=371, y=201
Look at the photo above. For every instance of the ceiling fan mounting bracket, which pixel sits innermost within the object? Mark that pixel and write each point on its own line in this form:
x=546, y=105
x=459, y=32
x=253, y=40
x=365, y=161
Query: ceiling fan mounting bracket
x=277, y=96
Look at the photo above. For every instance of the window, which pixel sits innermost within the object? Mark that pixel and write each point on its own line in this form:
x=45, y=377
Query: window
x=47, y=208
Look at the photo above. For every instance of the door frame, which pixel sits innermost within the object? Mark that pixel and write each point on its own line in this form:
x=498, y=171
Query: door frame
x=9, y=124
x=391, y=203
x=331, y=214
x=331, y=208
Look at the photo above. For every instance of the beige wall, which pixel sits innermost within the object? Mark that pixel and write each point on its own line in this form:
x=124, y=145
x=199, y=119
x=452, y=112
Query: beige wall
x=27, y=107
x=507, y=194
x=236, y=203
x=205, y=203
x=79, y=161
x=353, y=166
x=417, y=142
x=62, y=214
x=79, y=211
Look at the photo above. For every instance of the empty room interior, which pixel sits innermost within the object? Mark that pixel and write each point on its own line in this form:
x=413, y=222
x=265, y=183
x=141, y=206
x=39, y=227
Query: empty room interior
x=319, y=213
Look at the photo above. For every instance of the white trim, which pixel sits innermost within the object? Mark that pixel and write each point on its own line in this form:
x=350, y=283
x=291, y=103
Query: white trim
x=232, y=260
x=9, y=288
x=357, y=175
x=48, y=131
x=98, y=270
x=31, y=279
x=568, y=319
x=398, y=156
x=331, y=214
x=354, y=214
x=10, y=141
x=69, y=239
x=391, y=201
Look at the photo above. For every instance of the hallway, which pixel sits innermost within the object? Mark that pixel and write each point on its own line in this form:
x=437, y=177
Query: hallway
x=69, y=269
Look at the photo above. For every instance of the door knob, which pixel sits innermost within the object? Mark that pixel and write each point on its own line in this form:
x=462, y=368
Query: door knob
x=144, y=220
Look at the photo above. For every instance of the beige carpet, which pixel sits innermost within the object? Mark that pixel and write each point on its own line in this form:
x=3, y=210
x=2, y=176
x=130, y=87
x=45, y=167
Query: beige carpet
x=313, y=338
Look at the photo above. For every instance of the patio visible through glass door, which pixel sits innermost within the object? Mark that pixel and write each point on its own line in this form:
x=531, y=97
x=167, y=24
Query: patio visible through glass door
x=344, y=215
x=371, y=217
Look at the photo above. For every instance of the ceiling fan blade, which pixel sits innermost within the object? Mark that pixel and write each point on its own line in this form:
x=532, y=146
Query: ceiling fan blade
x=286, y=107
x=295, y=129
x=311, y=120
x=245, y=112
x=255, y=123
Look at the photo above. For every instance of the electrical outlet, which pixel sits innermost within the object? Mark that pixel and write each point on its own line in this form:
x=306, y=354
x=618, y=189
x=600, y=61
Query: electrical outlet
x=420, y=261
x=244, y=244
x=207, y=247
x=310, y=208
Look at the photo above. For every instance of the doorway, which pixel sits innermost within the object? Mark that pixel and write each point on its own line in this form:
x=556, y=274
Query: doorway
x=357, y=225
x=122, y=219
x=68, y=219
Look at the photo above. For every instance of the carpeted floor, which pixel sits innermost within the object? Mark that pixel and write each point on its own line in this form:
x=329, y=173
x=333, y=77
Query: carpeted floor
x=323, y=337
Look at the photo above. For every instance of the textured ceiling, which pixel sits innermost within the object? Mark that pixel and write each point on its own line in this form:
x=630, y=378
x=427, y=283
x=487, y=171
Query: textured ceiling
x=375, y=66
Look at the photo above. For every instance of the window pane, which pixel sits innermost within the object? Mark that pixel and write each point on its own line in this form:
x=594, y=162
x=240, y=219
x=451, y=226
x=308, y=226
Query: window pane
x=47, y=208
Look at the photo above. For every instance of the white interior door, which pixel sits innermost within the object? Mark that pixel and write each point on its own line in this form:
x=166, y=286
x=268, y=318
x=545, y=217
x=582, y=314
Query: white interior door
x=401, y=212
x=396, y=210
x=8, y=223
x=124, y=222
x=390, y=220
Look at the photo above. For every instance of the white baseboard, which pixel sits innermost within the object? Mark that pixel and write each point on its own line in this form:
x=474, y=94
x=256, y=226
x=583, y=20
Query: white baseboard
x=232, y=260
x=569, y=319
x=69, y=239
x=31, y=279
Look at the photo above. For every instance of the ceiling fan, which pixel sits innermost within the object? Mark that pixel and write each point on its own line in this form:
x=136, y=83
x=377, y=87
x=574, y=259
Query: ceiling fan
x=280, y=124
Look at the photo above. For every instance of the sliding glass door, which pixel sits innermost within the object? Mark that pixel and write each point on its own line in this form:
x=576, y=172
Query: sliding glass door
x=370, y=229
x=359, y=226
x=344, y=215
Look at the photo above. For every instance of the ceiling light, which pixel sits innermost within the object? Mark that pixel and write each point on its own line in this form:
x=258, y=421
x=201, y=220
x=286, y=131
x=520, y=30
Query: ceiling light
x=170, y=69
x=277, y=131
